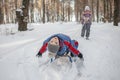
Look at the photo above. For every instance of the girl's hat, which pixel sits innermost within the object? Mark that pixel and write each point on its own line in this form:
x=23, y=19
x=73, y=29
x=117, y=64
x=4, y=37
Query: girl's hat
x=87, y=8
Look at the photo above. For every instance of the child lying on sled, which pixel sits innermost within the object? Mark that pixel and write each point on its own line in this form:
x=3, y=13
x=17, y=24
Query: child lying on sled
x=60, y=45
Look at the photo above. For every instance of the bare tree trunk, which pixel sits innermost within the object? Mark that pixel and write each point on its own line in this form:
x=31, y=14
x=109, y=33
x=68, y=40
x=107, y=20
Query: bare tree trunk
x=107, y=5
x=69, y=12
x=63, y=10
x=53, y=10
x=76, y=10
x=47, y=11
x=16, y=9
x=97, y=10
x=92, y=3
x=1, y=12
x=104, y=10
x=110, y=11
x=43, y=18
x=58, y=16
x=16, y=3
x=12, y=11
x=119, y=11
x=85, y=3
x=23, y=16
x=6, y=11
x=116, y=12
x=32, y=11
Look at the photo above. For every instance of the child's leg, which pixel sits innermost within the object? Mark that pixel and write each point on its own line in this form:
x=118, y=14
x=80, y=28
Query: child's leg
x=87, y=30
x=83, y=30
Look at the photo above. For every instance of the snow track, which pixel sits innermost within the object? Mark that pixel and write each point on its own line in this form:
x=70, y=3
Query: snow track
x=101, y=53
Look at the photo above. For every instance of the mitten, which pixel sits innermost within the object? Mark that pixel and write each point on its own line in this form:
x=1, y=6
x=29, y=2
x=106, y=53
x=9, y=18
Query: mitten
x=39, y=54
x=81, y=56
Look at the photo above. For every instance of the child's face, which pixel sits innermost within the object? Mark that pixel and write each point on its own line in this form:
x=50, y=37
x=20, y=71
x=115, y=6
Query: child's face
x=54, y=41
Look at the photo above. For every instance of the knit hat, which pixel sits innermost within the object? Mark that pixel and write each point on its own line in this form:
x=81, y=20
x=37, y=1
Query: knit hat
x=53, y=48
x=87, y=8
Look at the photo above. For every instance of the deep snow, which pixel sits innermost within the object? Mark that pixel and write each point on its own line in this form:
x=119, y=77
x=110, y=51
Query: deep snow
x=18, y=50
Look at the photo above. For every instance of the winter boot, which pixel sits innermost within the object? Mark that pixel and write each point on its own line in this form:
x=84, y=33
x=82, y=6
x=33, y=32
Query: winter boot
x=87, y=38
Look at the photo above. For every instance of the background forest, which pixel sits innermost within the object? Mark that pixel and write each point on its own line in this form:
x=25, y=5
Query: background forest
x=43, y=11
x=25, y=24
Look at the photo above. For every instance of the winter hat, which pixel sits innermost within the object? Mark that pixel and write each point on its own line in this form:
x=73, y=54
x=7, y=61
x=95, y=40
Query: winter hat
x=53, y=48
x=87, y=8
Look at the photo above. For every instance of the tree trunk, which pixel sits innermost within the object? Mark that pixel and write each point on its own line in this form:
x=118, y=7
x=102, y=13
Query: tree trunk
x=97, y=10
x=69, y=12
x=116, y=12
x=119, y=11
x=1, y=12
x=23, y=16
x=93, y=17
x=6, y=11
x=110, y=11
x=63, y=11
x=16, y=8
x=43, y=18
x=85, y=3
x=104, y=10
x=32, y=11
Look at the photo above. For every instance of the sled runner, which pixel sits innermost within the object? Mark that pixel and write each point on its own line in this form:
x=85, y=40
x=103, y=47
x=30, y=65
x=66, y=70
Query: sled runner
x=61, y=62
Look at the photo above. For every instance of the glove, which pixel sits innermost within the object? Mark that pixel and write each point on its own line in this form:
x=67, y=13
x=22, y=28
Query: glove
x=39, y=54
x=81, y=56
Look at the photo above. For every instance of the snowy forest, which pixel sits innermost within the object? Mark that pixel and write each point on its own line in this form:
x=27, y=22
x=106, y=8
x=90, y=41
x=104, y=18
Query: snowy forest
x=85, y=33
x=43, y=11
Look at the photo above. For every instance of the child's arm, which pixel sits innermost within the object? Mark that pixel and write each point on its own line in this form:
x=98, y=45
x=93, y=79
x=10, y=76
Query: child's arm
x=71, y=48
x=43, y=48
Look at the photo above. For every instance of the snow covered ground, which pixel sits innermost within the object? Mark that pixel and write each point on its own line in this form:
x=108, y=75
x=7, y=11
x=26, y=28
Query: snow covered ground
x=18, y=51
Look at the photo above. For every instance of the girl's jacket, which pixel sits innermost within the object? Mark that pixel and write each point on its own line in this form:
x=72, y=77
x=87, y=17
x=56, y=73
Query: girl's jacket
x=66, y=45
x=86, y=17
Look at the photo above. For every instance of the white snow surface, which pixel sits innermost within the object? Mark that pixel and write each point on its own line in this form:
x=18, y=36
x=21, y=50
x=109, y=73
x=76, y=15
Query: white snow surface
x=18, y=51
